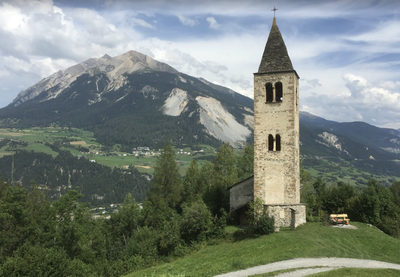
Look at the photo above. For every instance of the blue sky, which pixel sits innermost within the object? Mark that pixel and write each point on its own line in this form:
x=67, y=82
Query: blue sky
x=347, y=53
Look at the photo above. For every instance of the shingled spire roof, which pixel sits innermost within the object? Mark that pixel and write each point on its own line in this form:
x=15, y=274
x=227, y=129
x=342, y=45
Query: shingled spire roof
x=275, y=57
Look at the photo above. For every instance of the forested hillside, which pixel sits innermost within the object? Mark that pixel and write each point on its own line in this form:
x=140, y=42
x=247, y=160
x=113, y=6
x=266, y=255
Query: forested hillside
x=180, y=216
x=61, y=238
x=56, y=175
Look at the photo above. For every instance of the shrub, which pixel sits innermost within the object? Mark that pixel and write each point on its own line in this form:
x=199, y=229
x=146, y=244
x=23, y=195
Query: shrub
x=260, y=223
x=196, y=221
x=218, y=229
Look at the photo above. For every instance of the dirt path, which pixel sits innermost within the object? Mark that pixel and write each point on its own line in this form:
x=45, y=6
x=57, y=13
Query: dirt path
x=326, y=263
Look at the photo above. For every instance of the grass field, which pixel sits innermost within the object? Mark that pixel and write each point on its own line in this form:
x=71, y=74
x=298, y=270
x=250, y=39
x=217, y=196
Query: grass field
x=342, y=272
x=359, y=272
x=311, y=240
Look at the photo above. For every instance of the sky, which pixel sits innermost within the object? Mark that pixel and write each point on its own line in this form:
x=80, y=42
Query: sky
x=346, y=52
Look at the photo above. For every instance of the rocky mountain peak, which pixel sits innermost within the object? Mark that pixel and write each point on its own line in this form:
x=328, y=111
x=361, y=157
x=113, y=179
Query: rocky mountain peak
x=113, y=67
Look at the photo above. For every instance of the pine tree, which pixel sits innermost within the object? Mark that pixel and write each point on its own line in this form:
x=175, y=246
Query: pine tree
x=245, y=163
x=192, y=183
x=224, y=176
x=165, y=188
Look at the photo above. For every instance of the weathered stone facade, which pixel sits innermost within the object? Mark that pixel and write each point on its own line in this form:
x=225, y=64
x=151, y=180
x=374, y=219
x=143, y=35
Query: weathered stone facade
x=276, y=172
x=276, y=134
x=287, y=215
x=276, y=179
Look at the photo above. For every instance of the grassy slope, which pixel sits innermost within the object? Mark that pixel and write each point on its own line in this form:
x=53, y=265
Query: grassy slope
x=310, y=240
x=359, y=272
x=342, y=272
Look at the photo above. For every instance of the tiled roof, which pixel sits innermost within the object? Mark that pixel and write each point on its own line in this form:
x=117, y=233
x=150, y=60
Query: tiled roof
x=275, y=57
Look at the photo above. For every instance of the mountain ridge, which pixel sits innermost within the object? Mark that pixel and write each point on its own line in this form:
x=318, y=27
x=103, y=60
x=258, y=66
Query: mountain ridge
x=133, y=100
x=128, y=62
x=135, y=88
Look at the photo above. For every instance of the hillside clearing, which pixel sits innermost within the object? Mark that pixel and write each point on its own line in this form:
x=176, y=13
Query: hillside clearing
x=81, y=142
x=312, y=240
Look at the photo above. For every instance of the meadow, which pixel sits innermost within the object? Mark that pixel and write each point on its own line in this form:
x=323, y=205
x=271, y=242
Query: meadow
x=311, y=240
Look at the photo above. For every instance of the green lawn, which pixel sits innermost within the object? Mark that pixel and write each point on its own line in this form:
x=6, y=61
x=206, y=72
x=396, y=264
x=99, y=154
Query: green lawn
x=359, y=272
x=342, y=272
x=309, y=240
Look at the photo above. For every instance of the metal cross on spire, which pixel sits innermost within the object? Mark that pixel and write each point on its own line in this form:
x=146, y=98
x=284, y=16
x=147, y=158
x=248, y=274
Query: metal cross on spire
x=274, y=10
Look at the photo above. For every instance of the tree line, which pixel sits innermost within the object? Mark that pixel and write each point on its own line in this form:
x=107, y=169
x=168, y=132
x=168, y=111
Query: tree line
x=99, y=184
x=40, y=237
x=373, y=204
x=61, y=238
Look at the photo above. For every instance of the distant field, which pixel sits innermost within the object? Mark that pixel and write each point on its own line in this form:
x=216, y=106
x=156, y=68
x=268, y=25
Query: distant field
x=332, y=172
x=81, y=142
x=73, y=138
x=34, y=139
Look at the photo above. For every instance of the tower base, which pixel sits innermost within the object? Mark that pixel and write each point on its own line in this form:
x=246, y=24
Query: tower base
x=287, y=215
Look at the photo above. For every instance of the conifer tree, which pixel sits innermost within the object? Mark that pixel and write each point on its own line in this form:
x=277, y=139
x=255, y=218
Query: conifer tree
x=191, y=184
x=245, y=163
x=225, y=166
x=165, y=188
x=224, y=176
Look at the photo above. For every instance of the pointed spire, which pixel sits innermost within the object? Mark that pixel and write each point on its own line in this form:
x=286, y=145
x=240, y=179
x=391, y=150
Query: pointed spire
x=275, y=57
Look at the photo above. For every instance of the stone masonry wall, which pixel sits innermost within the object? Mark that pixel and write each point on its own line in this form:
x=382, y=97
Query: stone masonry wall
x=287, y=215
x=277, y=173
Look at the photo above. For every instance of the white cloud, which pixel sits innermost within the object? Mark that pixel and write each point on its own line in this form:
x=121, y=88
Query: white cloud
x=377, y=104
x=141, y=22
x=212, y=22
x=214, y=67
x=187, y=21
x=386, y=31
x=42, y=37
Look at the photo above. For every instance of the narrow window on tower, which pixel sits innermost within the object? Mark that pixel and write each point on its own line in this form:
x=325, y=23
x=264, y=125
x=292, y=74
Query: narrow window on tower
x=270, y=143
x=269, y=92
x=278, y=92
x=278, y=143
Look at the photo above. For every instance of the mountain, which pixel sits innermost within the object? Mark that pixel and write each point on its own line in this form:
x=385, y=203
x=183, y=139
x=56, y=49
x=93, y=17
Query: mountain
x=384, y=138
x=314, y=121
x=333, y=148
x=135, y=100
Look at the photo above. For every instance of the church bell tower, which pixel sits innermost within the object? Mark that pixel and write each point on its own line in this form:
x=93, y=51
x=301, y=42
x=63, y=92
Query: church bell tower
x=276, y=133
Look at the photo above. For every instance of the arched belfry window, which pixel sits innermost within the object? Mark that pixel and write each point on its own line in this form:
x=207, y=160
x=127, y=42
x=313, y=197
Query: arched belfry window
x=270, y=143
x=278, y=143
x=278, y=92
x=274, y=144
x=274, y=93
x=269, y=92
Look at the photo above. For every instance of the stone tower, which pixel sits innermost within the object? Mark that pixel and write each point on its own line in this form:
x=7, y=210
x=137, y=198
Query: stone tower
x=276, y=134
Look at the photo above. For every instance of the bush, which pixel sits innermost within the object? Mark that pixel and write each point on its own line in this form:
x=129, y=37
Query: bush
x=144, y=243
x=196, y=221
x=170, y=235
x=265, y=225
x=260, y=223
x=218, y=229
x=36, y=260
